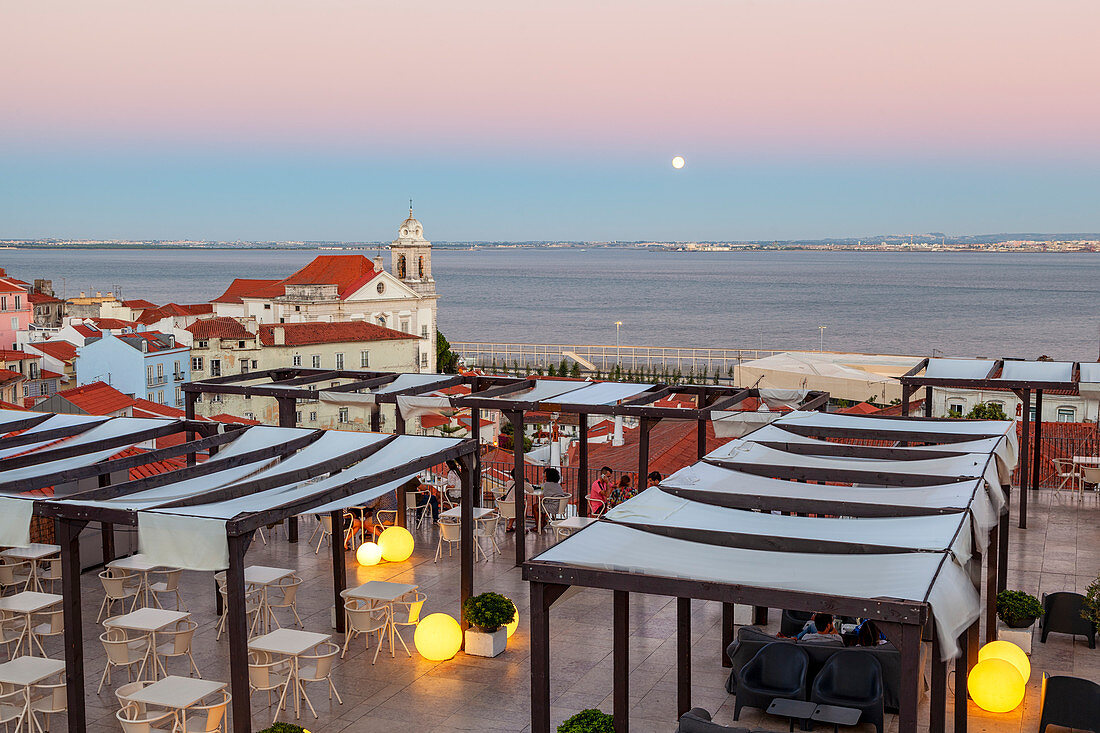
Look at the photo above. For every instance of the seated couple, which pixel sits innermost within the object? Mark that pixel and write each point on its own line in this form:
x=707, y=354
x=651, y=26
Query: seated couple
x=363, y=518
x=822, y=628
x=603, y=496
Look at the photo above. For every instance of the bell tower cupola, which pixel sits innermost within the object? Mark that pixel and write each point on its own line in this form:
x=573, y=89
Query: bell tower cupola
x=411, y=256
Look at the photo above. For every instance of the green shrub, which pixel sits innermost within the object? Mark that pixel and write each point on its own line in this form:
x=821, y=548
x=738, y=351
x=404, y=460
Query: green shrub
x=285, y=728
x=1090, y=610
x=1015, y=607
x=986, y=411
x=588, y=721
x=488, y=611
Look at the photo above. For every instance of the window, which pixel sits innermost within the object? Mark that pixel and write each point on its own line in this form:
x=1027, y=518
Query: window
x=1067, y=414
x=179, y=396
x=405, y=325
x=424, y=360
x=254, y=363
x=296, y=360
x=160, y=396
x=200, y=344
x=196, y=363
x=3, y=302
x=297, y=308
x=382, y=321
x=249, y=416
x=149, y=374
x=34, y=370
x=244, y=366
x=364, y=359
x=316, y=361
x=343, y=415
x=215, y=397
x=267, y=306
x=424, y=331
x=297, y=416
x=17, y=302
x=176, y=370
x=14, y=327
x=160, y=373
x=955, y=409
x=313, y=416
x=240, y=344
x=381, y=288
x=339, y=361
x=215, y=367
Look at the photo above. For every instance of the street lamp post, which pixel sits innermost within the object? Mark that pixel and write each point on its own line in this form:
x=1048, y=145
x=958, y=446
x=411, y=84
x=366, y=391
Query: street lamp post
x=821, y=338
x=618, y=360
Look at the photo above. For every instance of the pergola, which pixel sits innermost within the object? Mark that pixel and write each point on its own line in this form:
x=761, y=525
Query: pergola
x=203, y=516
x=513, y=396
x=791, y=516
x=1019, y=376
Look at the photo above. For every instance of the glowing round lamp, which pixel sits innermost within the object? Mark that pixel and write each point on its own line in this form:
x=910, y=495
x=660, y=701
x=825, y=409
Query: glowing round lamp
x=368, y=554
x=515, y=622
x=995, y=685
x=1009, y=652
x=396, y=544
x=438, y=637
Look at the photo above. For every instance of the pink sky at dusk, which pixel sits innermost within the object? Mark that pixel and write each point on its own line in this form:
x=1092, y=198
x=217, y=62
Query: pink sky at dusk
x=981, y=77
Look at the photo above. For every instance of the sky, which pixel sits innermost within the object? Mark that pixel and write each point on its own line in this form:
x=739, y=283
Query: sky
x=320, y=119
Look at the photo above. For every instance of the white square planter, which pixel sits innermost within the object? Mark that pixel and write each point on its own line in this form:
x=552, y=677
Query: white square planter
x=481, y=644
x=1019, y=637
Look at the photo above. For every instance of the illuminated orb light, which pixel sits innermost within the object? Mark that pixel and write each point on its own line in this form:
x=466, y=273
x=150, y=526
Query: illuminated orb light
x=995, y=685
x=368, y=554
x=1009, y=652
x=396, y=543
x=438, y=637
x=678, y=162
x=515, y=622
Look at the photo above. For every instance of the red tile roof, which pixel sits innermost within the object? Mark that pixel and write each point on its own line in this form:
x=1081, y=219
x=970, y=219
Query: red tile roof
x=38, y=298
x=47, y=374
x=10, y=355
x=106, y=324
x=301, y=334
x=149, y=469
x=174, y=309
x=10, y=406
x=86, y=331
x=246, y=288
x=9, y=284
x=7, y=376
x=862, y=408
x=139, y=304
x=60, y=350
x=672, y=446
x=220, y=328
x=147, y=408
x=226, y=417
x=97, y=398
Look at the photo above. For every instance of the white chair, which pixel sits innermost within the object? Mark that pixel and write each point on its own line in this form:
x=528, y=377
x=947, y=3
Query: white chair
x=411, y=507
x=506, y=509
x=486, y=528
x=125, y=692
x=214, y=718
x=286, y=598
x=253, y=604
x=134, y=720
x=170, y=584
x=122, y=652
x=265, y=674
x=324, y=524
x=554, y=507
x=49, y=571
x=11, y=630
x=47, y=700
x=407, y=613
x=361, y=618
x=12, y=708
x=118, y=587
x=317, y=667
x=1089, y=475
x=596, y=507
x=449, y=532
x=47, y=623
x=179, y=643
x=14, y=574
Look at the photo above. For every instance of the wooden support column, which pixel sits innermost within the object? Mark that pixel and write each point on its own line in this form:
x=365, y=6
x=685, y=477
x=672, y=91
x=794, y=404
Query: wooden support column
x=402, y=506
x=910, y=677
x=1025, y=458
x=69, y=539
x=928, y=401
x=399, y=428
x=108, y=541
x=621, y=656
x=288, y=418
x=906, y=396
x=700, y=439
x=520, y=497
x=1002, y=540
x=543, y=596
x=759, y=616
x=339, y=571
x=644, y=427
x=238, y=633
x=189, y=399
x=991, y=563
x=475, y=433
x=937, y=707
x=968, y=644
x=466, y=547
x=683, y=656
x=727, y=633
x=376, y=419
x=582, y=469
x=1037, y=445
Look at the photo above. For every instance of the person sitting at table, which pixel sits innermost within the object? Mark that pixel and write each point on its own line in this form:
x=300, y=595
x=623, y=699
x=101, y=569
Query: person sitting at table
x=510, y=496
x=551, y=484
x=363, y=518
x=819, y=628
x=425, y=499
x=653, y=479
x=867, y=634
x=601, y=487
x=622, y=491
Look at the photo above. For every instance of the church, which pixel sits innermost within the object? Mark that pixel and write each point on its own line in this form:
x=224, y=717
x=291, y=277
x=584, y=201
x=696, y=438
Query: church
x=351, y=287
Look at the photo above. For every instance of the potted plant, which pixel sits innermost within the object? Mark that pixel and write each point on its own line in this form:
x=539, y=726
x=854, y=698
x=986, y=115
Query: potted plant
x=284, y=728
x=1017, y=609
x=1090, y=608
x=487, y=614
x=588, y=721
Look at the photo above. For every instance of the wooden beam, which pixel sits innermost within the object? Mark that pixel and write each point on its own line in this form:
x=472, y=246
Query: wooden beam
x=1025, y=458
x=801, y=505
x=69, y=539
x=519, y=495
x=914, y=435
x=543, y=596
x=683, y=656
x=237, y=623
x=727, y=632
x=845, y=475
x=621, y=660
x=937, y=706
x=339, y=571
x=582, y=468
x=42, y=457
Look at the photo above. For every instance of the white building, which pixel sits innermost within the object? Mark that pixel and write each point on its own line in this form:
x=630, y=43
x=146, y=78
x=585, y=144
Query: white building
x=335, y=288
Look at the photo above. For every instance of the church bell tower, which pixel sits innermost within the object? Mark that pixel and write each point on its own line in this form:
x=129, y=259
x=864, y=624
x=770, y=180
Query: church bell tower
x=411, y=257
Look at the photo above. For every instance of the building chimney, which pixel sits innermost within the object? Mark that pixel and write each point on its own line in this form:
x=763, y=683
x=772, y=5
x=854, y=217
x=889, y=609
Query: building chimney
x=98, y=294
x=278, y=335
x=617, y=436
x=81, y=293
x=378, y=264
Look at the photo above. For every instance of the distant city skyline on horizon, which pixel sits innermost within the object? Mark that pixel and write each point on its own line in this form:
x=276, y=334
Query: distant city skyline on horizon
x=317, y=121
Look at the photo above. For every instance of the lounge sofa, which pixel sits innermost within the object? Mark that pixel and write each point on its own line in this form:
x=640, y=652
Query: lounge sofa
x=750, y=640
x=697, y=720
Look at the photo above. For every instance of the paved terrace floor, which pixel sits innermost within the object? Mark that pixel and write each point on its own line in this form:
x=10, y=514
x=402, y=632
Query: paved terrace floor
x=1059, y=551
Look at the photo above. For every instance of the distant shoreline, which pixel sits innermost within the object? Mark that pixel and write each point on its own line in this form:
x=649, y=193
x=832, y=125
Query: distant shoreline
x=1064, y=247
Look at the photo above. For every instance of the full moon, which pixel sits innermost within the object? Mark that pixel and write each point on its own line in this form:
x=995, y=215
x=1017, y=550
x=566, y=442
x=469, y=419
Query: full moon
x=678, y=162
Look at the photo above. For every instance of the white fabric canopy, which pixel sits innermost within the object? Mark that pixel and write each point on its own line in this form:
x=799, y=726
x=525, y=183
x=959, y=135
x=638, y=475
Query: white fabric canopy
x=1037, y=371
x=15, y=521
x=183, y=542
x=777, y=397
x=52, y=423
x=916, y=576
x=416, y=406
x=933, y=532
x=602, y=393
x=958, y=368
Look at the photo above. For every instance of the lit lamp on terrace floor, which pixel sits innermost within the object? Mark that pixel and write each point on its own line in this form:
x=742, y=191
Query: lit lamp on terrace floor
x=998, y=680
x=368, y=554
x=1010, y=653
x=514, y=623
x=438, y=637
x=396, y=543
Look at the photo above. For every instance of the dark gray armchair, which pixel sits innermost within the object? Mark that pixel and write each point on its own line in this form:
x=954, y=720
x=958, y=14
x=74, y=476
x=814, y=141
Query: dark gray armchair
x=777, y=671
x=1062, y=614
x=697, y=720
x=852, y=678
x=1070, y=702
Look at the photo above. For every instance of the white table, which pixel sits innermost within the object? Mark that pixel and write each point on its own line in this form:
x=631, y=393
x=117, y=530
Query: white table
x=139, y=565
x=575, y=523
x=382, y=593
x=456, y=513
x=149, y=621
x=28, y=603
x=26, y=671
x=291, y=643
x=33, y=552
x=177, y=693
x=262, y=577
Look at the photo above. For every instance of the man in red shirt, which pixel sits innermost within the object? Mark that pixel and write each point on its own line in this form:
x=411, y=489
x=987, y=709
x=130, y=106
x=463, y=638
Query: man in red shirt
x=597, y=495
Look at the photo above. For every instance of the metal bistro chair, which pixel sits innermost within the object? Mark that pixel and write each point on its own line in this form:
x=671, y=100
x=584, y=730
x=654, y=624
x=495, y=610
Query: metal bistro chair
x=265, y=674
x=14, y=574
x=125, y=692
x=412, y=506
x=122, y=652
x=1068, y=471
x=118, y=587
x=407, y=613
x=49, y=571
x=288, y=588
x=12, y=708
x=134, y=720
x=253, y=604
x=214, y=718
x=179, y=642
x=47, y=700
x=170, y=584
x=317, y=667
x=324, y=525
x=554, y=507
x=364, y=619
x=383, y=519
x=11, y=630
x=449, y=532
x=48, y=623
x=486, y=528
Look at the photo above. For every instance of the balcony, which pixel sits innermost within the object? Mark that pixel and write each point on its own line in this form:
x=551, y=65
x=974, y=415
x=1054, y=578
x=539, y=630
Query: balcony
x=156, y=381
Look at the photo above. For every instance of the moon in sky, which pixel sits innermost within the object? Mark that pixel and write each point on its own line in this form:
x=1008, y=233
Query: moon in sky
x=678, y=162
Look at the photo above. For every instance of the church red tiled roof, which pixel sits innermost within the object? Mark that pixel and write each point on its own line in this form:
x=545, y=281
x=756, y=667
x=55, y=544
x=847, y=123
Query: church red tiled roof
x=250, y=288
x=302, y=334
x=347, y=272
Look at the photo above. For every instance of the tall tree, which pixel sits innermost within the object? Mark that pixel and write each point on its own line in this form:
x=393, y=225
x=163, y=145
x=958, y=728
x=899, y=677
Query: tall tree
x=446, y=362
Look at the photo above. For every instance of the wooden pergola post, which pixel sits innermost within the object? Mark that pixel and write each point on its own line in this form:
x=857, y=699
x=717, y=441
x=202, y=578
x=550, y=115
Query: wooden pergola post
x=621, y=660
x=238, y=632
x=683, y=655
x=475, y=433
x=339, y=569
x=906, y=396
x=1025, y=458
x=644, y=426
x=69, y=540
x=519, y=495
x=543, y=596
x=466, y=572
x=582, y=468
x=288, y=418
x=1037, y=447
x=928, y=401
x=937, y=705
x=992, y=561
